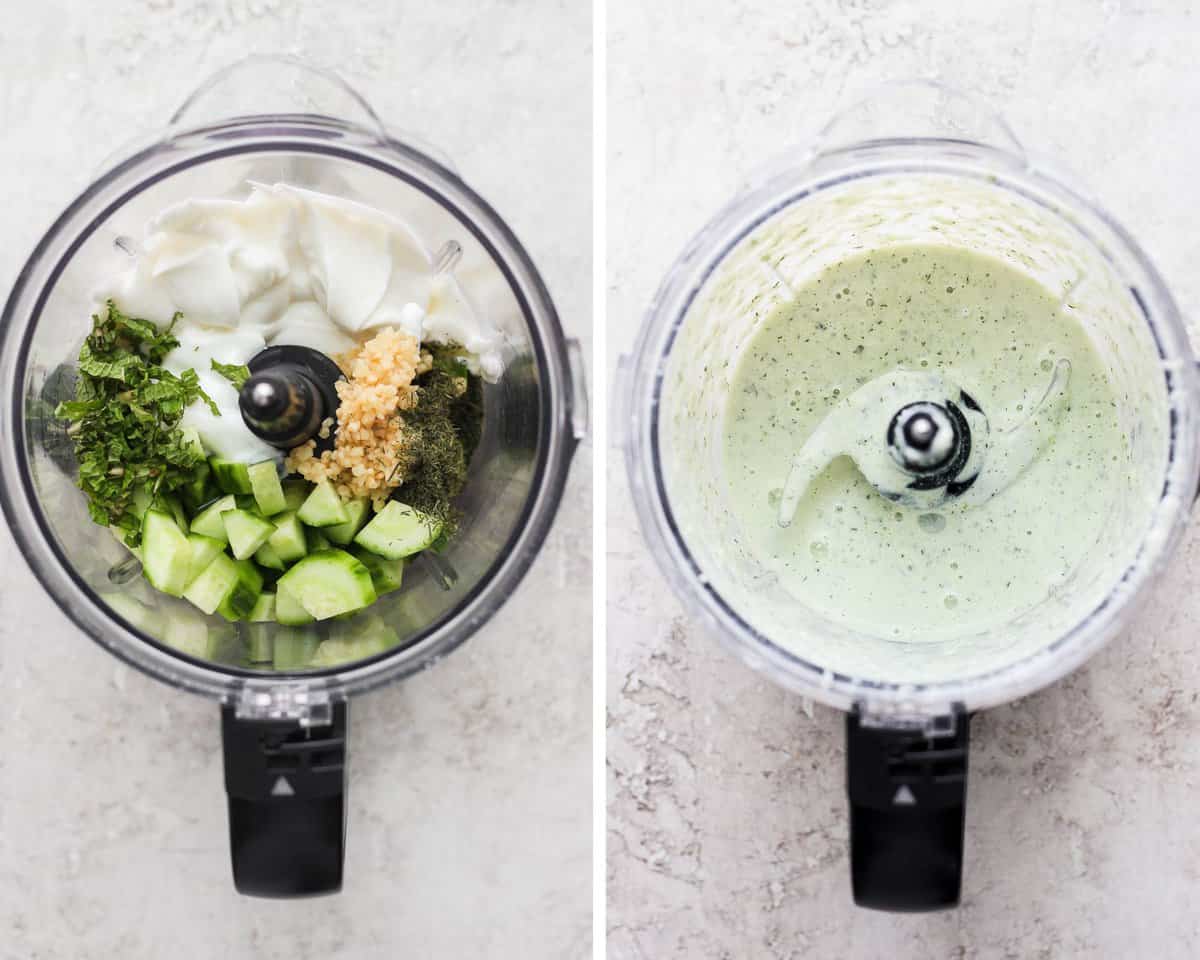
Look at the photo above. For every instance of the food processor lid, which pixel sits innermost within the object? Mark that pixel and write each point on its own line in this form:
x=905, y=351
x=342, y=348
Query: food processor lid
x=556, y=372
x=855, y=152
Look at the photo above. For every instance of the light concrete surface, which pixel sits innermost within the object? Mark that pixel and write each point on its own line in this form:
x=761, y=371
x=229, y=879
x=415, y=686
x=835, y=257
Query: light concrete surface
x=470, y=821
x=727, y=828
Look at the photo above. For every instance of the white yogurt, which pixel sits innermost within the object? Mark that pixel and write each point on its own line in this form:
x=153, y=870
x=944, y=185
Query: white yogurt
x=287, y=266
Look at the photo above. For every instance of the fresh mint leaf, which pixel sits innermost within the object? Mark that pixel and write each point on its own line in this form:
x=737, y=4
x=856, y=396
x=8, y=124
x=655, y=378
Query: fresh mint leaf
x=125, y=418
x=235, y=373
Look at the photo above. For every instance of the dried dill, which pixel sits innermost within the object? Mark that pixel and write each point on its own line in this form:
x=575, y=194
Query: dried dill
x=444, y=429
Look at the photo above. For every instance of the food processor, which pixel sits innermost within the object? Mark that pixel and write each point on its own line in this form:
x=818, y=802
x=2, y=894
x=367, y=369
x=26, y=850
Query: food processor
x=915, y=163
x=284, y=722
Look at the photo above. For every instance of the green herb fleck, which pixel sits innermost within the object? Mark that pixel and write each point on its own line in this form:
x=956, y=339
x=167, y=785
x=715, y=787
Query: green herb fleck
x=447, y=422
x=235, y=373
x=124, y=420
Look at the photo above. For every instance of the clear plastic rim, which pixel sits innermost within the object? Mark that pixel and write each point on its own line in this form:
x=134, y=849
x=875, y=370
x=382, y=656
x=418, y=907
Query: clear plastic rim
x=303, y=133
x=644, y=467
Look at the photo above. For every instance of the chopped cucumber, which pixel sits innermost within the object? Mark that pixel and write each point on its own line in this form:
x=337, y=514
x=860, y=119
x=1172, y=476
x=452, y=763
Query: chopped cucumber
x=288, y=540
x=288, y=610
x=268, y=491
x=230, y=476
x=196, y=492
x=386, y=575
x=260, y=637
x=266, y=556
x=342, y=533
x=208, y=521
x=187, y=634
x=170, y=504
x=339, y=650
x=356, y=640
x=398, y=531
x=230, y=587
x=246, y=532
x=293, y=649
x=225, y=645
x=166, y=553
x=137, y=613
x=264, y=609
x=204, y=550
x=323, y=508
x=200, y=489
x=246, y=502
x=295, y=492
x=316, y=540
x=244, y=595
x=329, y=583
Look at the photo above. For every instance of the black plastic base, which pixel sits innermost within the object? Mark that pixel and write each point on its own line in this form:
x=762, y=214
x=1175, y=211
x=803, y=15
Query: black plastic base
x=287, y=804
x=907, y=793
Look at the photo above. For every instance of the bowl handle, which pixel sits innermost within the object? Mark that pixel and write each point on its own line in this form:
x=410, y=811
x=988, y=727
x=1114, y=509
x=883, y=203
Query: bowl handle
x=901, y=111
x=287, y=803
x=908, y=791
x=917, y=109
x=282, y=85
x=263, y=84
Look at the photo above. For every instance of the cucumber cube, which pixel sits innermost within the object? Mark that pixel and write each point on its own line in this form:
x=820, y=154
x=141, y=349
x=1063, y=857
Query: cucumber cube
x=225, y=645
x=356, y=640
x=288, y=610
x=187, y=634
x=399, y=530
x=265, y=556
x=260, y=640
x=268, y=491
x=241, y=599
x=386, y=575
x=246, y=532
x=264, y=609
x=329, y=583
x=288, y=540
x=166, y=553
x=208, y=521
x=342, y=533
x=295, y=492
x=316, y=540
x=230, y=476
x=200, y=489
x=204, y=551
x=246, y=501
x=323, y=508
x=293, y=648
x=230, y=587
x=169, y=503
x=135, y=612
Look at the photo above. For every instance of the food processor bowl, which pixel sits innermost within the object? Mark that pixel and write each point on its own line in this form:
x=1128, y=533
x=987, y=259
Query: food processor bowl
x=912, y=164
x=307, y=128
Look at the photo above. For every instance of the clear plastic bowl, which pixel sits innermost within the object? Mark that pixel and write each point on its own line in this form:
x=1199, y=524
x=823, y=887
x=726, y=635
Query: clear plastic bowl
x=253, y=122
x=916, y=163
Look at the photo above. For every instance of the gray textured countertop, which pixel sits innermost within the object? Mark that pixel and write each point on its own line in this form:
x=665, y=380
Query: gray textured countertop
x=727, y=830
x=470, y=784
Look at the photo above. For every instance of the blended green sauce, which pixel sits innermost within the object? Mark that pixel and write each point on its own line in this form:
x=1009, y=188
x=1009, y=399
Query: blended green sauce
x=906, y=573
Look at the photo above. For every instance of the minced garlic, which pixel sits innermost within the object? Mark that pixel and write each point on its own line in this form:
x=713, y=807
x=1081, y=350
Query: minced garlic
x=367, y=457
